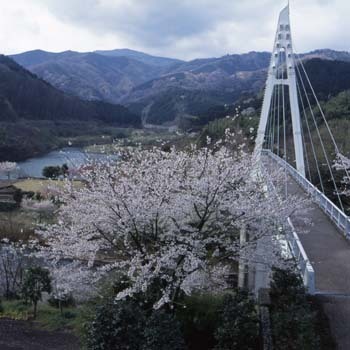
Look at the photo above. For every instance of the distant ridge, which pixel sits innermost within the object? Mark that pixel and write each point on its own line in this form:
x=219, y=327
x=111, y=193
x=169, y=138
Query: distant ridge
x=158, y=88
x=140, y=56
x=108, y=75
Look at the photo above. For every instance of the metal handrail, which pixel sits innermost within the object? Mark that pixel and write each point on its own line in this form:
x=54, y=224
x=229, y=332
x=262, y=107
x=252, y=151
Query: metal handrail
x=306, y=270
x=297, y=251
x=331, y=210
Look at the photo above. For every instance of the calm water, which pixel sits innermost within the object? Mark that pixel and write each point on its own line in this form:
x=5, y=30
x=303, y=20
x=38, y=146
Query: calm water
x=73, y=157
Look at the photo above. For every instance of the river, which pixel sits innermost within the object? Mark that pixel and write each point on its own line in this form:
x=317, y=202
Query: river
x=73, y=157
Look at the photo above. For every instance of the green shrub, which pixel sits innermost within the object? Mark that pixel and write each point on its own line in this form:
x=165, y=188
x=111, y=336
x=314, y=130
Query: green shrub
x=69, y=315
x=116, y=326
x=119, y=325
x=36, y=281
x=199, y=316
x=286, y=288
x=293, y=321
x=238, y=323
x=163, y=332
x=1, y=307
x=15, y=309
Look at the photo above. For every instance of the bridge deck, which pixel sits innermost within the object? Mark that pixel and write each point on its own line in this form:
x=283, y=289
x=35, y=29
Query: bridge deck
x=329, y=253
x=326, y=247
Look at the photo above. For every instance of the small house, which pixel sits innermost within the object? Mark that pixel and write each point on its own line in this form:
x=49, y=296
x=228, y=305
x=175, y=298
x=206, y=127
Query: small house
x=8, y=192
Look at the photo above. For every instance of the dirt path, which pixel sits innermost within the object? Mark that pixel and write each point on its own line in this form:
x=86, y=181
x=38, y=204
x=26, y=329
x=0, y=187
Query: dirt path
x=21, y=335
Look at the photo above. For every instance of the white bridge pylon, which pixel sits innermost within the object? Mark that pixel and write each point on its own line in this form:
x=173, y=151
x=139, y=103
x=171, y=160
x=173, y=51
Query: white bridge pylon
x=282, y=51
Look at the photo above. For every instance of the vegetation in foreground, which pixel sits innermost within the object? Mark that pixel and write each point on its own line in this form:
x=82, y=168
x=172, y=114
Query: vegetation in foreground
x=202, y=321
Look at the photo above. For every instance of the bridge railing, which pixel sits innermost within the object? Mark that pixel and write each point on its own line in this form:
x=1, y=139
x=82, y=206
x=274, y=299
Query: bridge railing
x=335, y=214
x=297, y=251
x=306, y=270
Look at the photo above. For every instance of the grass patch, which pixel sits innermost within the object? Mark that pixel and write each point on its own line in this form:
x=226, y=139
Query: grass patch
x=42, y=185
x=15, y=309
x=48, y=317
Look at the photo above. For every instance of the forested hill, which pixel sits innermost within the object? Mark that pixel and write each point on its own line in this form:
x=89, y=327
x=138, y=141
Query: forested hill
x=102, y=75
x=25, y=96
x=35, y=117
x=162, y=90
x=328, y=77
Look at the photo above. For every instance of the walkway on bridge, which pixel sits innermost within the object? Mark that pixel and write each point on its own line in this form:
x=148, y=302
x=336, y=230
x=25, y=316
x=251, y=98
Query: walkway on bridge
x=329, y=253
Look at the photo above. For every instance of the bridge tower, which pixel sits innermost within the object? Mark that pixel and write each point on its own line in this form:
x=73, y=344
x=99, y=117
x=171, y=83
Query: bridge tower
x=282, y=54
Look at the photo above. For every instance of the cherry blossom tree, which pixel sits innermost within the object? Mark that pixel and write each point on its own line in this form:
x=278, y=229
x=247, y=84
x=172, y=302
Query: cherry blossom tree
x=170, y=219
x=7, y=168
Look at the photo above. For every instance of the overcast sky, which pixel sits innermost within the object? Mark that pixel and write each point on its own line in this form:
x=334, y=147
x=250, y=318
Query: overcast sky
x=177, y=28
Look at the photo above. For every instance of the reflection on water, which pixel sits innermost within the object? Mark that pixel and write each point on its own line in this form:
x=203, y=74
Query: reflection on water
x=73, y=157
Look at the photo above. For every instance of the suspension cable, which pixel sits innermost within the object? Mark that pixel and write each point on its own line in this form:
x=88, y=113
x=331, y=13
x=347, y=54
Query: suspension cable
x=274, y=120
x=323, y=115
x=305, y=150
x=310, y=137
x=269, y=129
x=284, y=134
x=321, y=141
x=278, y=106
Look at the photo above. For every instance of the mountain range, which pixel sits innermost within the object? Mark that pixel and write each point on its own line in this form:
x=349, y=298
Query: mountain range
x=161, y=90
x=46, y=97
x=34, y=115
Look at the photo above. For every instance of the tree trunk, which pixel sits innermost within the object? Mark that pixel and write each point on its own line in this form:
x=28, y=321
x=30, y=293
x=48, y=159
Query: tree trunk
x=35, y=306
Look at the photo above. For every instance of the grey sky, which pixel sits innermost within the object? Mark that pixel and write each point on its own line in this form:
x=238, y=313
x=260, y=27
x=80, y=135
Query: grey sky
x=178, y=28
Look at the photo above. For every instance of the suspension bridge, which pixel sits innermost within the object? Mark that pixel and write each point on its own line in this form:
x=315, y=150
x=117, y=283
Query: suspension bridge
x=291, y=118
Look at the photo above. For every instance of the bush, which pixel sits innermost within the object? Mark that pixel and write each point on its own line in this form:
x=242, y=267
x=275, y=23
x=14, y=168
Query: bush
x=286, y=288
x=119, y=325
x=163, y=332
x=1, y=307
x=116, y=326
x=238, y=323
x=199, y=316
x=69, y=315
x=293, y=321
x=53, y=172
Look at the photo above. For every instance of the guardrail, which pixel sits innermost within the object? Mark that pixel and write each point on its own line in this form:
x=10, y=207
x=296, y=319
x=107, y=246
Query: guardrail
x=297, y=250
x=306, y=270
x=341, y=220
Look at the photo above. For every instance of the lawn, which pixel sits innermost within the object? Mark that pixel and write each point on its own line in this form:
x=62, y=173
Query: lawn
x=42, y=185
x=48, y=317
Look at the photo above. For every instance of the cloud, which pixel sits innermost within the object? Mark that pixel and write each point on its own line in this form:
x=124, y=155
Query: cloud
x=179, y=28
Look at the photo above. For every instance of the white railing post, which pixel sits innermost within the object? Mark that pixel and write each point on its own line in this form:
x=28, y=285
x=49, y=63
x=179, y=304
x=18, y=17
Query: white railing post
x=305, y=268
x=347, y=228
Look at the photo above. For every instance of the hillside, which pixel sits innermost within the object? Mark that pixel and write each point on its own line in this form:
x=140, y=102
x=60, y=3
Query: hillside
x=197, y=85
x=33, y=113
x=160, y=89
x=103, y=75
